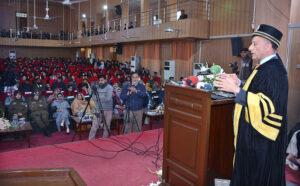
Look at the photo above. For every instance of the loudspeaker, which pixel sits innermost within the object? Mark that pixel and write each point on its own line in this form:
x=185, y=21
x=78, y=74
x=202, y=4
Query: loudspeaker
x=118, y=10
x=236, y=45
x=118, y=48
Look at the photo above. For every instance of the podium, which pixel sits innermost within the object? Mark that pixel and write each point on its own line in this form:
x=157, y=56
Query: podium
x=198, y=137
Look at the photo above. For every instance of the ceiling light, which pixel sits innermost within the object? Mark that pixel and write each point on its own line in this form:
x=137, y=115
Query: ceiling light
x=105, y=7
x=83, y=15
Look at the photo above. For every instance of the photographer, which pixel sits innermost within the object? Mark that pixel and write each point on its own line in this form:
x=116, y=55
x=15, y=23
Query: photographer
x=134, y=96
x=104, y=91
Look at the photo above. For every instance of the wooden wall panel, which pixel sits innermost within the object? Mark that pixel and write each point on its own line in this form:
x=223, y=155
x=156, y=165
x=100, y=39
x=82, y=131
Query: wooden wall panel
x=231, y=17
x=295, y=13
x=43, y=52
x=275, y=13
x=294, y=77
x=219, y=52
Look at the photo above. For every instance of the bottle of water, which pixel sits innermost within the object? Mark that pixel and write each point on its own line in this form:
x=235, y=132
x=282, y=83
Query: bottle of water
x=79, y=114
x=15, y=121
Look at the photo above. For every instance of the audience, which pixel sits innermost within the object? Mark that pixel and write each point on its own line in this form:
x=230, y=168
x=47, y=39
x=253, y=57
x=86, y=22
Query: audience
x=38, y=112
x=79, y=103
x=18, y=107
x=56, y=78
x=62, y=113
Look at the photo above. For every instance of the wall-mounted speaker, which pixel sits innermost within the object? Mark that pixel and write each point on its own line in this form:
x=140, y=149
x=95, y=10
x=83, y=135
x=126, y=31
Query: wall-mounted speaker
x=118, y=48
x=118, y=10
x=236, y=45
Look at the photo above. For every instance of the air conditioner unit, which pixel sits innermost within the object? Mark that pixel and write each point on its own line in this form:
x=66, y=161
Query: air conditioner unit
x=197, y=68
x=135, y=65
x=169, y=69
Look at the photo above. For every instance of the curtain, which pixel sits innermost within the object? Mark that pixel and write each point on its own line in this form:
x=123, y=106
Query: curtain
x=128, y=51
x=183, y=55
x=151, y=57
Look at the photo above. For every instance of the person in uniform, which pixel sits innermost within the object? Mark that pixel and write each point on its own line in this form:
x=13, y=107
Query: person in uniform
x=18, y=106
x=38, y=112
x=260, y=121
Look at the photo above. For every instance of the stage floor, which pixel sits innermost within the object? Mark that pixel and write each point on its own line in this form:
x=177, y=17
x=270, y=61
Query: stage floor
x=107, y=161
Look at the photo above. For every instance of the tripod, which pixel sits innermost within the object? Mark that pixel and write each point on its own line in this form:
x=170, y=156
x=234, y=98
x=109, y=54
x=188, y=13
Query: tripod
x=98, y=100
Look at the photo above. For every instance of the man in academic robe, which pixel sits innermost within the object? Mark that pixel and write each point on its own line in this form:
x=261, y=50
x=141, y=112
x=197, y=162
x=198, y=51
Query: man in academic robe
x=260, y=121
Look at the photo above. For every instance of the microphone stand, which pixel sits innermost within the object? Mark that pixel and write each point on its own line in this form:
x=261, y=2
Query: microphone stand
x=127, y=116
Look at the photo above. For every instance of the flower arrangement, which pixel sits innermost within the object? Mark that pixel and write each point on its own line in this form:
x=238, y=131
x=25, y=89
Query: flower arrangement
x=159, y=174
x=4, y=123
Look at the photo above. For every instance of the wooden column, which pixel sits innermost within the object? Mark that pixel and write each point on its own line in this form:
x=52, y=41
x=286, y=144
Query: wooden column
x=171, y=10
x=145, y=17
x=125, y=13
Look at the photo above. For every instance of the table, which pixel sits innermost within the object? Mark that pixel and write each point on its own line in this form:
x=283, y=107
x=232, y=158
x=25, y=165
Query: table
x=45, y=177
x=152, y=116
x=115, y=118
x=26, y=128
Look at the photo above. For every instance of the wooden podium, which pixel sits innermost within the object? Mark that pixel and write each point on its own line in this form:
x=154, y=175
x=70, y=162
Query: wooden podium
x=198, y=137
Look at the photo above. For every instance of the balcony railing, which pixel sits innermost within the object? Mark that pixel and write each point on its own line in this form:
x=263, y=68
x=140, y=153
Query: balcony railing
x=195, y=9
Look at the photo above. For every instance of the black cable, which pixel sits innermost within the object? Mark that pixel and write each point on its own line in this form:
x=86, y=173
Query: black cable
x=129, y=146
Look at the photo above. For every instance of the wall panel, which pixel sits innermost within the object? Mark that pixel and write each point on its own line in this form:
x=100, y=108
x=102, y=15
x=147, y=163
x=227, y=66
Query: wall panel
x=43, y=52
x=219, y=52
x=231, y=17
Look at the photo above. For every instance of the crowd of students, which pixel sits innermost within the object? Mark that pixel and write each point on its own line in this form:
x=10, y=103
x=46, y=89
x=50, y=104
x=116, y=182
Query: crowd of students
x=50, y=80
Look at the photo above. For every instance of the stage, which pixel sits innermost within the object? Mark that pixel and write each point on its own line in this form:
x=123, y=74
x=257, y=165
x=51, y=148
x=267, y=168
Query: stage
x=119, y=160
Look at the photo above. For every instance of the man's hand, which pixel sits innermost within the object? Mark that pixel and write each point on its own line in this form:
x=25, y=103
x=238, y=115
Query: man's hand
x=227, y=84
x=132, y=89
x=230, y=77
x=20, y=114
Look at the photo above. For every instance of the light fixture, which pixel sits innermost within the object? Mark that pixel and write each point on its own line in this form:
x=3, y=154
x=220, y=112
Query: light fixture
x=105, y=7
x=83, y=15
x=169, y=29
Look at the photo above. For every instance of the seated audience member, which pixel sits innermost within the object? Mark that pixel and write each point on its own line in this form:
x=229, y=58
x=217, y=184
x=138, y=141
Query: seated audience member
x=72, y=83
x=18, y=106
x=156, y=20
x=59, y=84
x=38, y=86
x=26, y=86
x=62, y=113
x=149, y=102
x=292, y=171
x=52, y=97
x=118, y=105
x=39, y=113
x=183, y=15
x=79, y=103
x=84, y=87
x=69, y=91
x=10, y=97
x=156, y=78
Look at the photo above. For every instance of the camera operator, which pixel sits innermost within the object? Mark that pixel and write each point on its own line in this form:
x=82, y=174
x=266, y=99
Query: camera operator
x=105, y=91
x=134, y=96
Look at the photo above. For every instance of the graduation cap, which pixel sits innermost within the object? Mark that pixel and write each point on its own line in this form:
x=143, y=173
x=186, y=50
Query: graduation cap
x=270, y=33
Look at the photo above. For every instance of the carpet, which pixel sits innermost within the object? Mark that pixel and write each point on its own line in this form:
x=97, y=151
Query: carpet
x=97, y=161
x=11, y=144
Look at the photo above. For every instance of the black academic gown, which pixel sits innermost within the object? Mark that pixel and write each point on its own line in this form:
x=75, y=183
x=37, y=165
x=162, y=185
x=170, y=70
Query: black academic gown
x=260, y=127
